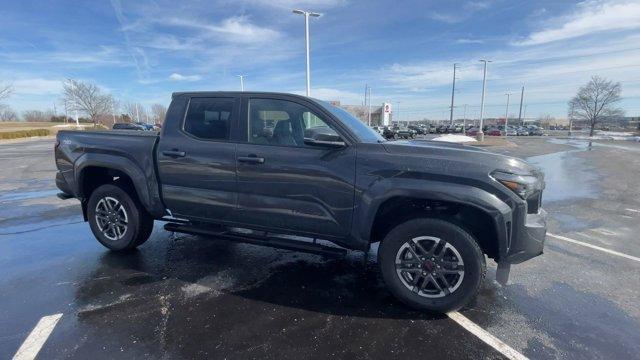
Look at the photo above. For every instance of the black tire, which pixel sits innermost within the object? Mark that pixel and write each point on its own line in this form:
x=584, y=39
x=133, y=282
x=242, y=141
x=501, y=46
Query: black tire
x=468, y=284
x=139, y=224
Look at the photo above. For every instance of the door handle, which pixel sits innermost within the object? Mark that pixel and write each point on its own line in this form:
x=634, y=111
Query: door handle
x=174, y=153
x=251, y=159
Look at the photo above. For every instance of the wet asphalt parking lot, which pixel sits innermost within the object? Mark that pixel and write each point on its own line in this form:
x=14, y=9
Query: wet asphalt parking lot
x=182, y=296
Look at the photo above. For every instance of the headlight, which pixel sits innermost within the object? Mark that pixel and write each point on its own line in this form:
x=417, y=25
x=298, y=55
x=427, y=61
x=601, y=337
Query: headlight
x=523, y=185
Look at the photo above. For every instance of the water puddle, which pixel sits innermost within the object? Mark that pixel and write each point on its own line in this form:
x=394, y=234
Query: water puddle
x=567, y=176
x=26, y=195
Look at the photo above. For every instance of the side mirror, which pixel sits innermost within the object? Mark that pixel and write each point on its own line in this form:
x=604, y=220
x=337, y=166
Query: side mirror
x=325, y=140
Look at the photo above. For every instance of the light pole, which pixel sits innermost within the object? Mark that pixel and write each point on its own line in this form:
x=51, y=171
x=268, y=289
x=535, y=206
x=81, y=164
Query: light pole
x=480, y=136
x=506, y=115
x=369, y=113
x=521, y=100
x=571, y=118
x=242, y=82
x=453, y=91
x=306, y=35
x=464, y=121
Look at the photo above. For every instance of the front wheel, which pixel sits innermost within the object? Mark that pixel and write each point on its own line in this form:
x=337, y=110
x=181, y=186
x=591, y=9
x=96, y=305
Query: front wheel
x=431, y=264
x=117, y=219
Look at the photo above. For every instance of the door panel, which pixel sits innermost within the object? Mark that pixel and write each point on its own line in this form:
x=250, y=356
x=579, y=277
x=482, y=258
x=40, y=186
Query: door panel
x=298, y=189
x=197, y=164
x=285, y=184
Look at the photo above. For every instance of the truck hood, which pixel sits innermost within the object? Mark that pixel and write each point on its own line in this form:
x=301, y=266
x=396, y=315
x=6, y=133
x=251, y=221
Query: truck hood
x=459, y=156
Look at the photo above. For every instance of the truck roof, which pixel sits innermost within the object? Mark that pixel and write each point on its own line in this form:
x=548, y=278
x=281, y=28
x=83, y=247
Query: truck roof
x=235, y=93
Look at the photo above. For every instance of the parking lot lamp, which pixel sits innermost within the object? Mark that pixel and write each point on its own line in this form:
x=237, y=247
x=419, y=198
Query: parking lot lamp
x=306, y=35
x=480, y=136
x=506, y=115
x=241, y=82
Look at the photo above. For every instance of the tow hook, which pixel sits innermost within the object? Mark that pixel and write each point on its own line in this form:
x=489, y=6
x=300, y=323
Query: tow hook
x=502, y=274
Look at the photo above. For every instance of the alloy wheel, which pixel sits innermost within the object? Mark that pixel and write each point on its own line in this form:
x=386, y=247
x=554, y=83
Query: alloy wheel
x=111, y=218
x=429, y=266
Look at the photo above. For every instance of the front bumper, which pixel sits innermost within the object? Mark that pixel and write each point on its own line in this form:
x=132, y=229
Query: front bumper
x=528, y=236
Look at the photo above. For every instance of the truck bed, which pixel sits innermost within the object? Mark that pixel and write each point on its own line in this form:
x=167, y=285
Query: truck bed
x=133, y=153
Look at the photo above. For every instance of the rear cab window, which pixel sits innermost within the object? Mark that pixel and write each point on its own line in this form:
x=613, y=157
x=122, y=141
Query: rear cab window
x=210, y=118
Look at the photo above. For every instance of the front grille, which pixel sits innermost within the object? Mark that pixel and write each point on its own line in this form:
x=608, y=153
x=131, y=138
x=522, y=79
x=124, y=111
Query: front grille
x=533, y=202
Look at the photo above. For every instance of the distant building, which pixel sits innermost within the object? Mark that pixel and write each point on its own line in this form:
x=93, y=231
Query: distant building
x=361, y=112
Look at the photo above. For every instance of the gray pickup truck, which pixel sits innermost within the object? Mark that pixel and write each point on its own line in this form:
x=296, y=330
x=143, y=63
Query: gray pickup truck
x=298, y=173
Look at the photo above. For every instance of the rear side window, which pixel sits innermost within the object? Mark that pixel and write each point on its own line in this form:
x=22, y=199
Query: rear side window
x=209, y=118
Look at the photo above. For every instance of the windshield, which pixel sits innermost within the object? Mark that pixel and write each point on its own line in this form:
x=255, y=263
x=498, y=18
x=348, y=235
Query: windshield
x=362, y=131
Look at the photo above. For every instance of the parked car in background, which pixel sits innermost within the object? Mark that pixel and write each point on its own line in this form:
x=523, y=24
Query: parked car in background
x=441, y=129
x=404, y=132
x=522, y=131
x=511, y=131
x=473, y=131
x=418, y=129
x=534, y=130
x=145, y=126
x=494, y=131
x=127, y=126
x=388, y=133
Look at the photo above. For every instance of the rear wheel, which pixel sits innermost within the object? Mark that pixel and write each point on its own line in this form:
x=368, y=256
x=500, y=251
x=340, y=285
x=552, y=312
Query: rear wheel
x=117, y=219
x=431, y=264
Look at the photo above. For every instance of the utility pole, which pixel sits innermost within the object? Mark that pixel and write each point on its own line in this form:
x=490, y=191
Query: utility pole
x=369, y=113
x=506, y=115
x=398, y=120
x=306, y=36
x=521, y=99
x=453, y=92
x=366, y=89
x=480, y=136
x=242, y=82
x=464, y=121
x=571, y=118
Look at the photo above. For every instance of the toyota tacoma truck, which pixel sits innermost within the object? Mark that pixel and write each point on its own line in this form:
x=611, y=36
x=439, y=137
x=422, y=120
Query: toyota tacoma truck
x=297, y=173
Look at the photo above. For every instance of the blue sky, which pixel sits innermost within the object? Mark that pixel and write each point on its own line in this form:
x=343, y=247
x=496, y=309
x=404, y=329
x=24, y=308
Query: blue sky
x=144, y=50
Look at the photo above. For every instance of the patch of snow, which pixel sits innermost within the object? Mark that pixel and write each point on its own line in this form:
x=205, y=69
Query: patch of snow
x=453, y=138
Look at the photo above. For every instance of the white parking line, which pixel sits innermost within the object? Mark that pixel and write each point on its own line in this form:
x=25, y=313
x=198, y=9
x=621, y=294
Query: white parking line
x=489, y=339
x=38, y=336
x=612, y=252
x=633, y=210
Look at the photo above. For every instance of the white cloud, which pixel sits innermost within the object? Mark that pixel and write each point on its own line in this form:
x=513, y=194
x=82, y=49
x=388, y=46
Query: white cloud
x=37, y=86
x=469, y=41
x=590, y=17
x=446, y=18
x=180, y=77
x=289, y=4
x=478, y=5
x=330, y=94
x=233, y=29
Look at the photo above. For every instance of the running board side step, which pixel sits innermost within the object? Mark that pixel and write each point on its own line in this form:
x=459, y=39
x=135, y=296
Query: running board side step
x=264, y=240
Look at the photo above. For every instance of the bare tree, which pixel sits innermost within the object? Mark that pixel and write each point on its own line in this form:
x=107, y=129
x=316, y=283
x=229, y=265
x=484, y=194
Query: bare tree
x=5, y=91
x=135, y=111
x=596, y=100
x=7, y=114
x=159, y=112
x=87, y=98
x=37, y=115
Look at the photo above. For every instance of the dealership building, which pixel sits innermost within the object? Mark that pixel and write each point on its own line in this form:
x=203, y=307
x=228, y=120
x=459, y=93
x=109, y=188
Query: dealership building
x=380, y=115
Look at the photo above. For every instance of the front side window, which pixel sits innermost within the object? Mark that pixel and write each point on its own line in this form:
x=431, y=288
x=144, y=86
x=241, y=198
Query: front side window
x=209, y=118
x=285, y=123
